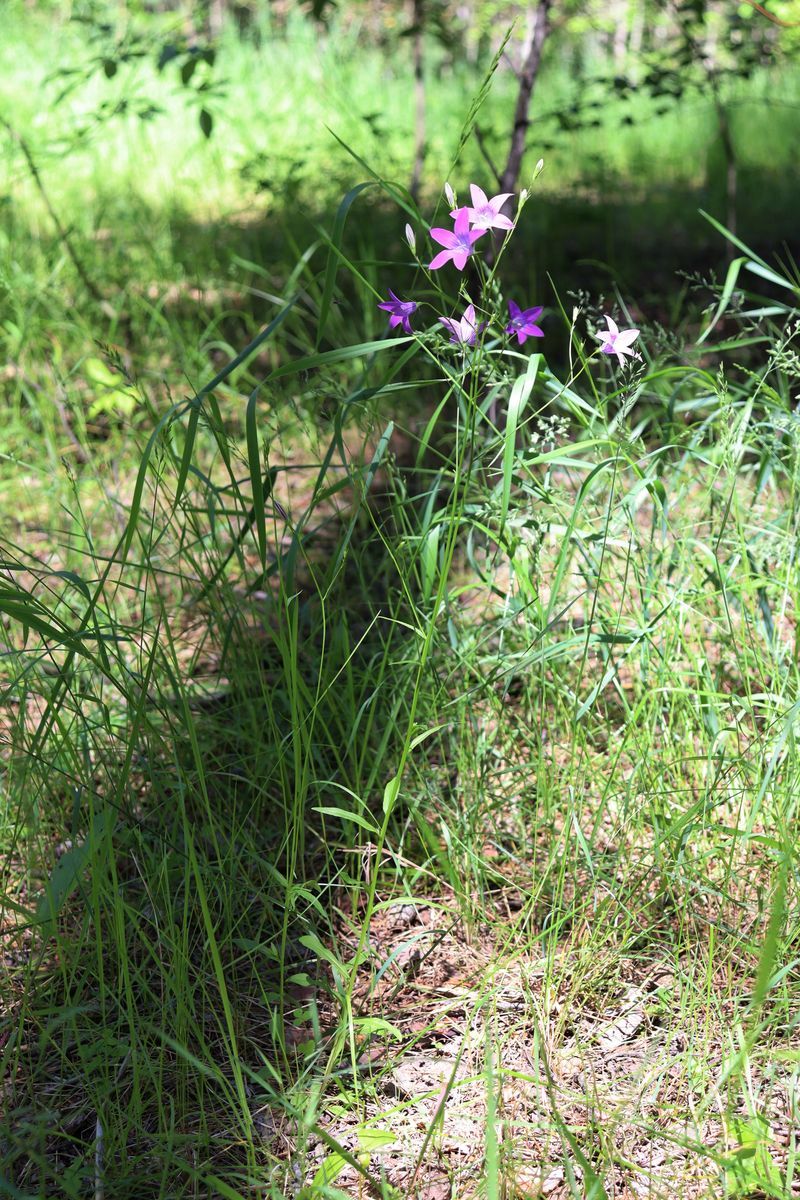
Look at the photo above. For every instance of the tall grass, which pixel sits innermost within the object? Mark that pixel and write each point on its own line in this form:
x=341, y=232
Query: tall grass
x=345, y=734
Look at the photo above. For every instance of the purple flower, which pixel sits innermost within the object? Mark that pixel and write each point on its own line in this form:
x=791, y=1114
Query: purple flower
x=618, y=341
x=458, y=242
x=401, y=310
x=523, y=324
x=485, y=213
x=463, y=332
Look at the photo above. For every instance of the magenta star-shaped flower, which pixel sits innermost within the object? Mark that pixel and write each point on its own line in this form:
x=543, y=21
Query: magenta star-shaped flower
x=618, y=341
x=485, y=213
x=523, y=323
x=463, y=332
x=401, y=311
x=458, y=242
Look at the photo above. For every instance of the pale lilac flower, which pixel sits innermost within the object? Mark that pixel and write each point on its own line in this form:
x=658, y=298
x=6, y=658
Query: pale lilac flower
x=485, y=213
x=458, y=242
x=401, y=311
x=463, y=332
x=523, y=324
x=618, y=341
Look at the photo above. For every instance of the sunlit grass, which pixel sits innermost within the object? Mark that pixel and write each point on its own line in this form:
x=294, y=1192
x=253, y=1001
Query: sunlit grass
x=393, y=797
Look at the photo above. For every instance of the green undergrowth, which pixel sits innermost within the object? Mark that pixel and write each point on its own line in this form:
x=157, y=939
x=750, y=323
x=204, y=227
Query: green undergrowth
x=532, y=663
x=400, y=777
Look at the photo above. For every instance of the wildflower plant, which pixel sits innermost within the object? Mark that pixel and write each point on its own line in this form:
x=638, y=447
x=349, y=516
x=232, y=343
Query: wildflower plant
x=479, y=339
x=509, y=414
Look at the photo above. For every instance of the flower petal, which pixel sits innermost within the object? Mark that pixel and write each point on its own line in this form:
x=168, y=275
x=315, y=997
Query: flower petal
x=445, y=237
x=626, y=337
x=461, y=227
x=612, y=326
x=514, y=309
x=444, y=256
x=479, y=197
x=497, y=202
x=460, y=259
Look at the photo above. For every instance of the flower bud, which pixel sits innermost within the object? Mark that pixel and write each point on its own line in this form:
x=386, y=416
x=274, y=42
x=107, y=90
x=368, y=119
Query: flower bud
x=450, y=195
x=410, y=238
x=537, y=170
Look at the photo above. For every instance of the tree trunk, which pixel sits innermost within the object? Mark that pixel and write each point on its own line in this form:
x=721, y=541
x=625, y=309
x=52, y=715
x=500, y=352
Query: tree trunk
x=527, y=82
x=418, y=20
x=731, y=167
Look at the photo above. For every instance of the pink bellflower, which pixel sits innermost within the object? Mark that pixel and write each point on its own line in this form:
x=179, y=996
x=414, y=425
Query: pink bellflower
x=523, y=323
x=485, y=213
x=457, y=242
x=618, y=341
x=401, y=311
x=463, y=332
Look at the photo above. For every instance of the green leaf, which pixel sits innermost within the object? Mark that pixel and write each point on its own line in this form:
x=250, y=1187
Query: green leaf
x=334, y=255
x=206, y=122
x=187, y=71
x=331, y=1169
x=369, y=1025
x=750, y=1168
x=311, y=362
x=372, y=1137
x=770, y=945
x=390, y=794
x=312, y=943
x=429, y=558
x=343, y=815
x=66, y=874
x=520, y=393
x=254, y=463
x=725, y=297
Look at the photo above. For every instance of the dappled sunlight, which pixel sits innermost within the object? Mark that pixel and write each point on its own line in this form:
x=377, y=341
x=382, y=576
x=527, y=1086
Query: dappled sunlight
x=399, y=600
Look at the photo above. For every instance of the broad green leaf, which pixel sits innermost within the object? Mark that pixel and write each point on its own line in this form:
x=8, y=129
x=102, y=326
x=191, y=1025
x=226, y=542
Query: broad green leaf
x=390, y=794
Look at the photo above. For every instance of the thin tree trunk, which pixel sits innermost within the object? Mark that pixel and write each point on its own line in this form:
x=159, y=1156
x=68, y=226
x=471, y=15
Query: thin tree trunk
x=418, y=19
x=527, y=82
x=731, y=167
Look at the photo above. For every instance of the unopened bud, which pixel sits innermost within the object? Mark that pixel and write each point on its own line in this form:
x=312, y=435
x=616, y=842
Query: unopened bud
x=537, y=170
x=410, y=238
x=450, y=195
x=576, y=312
